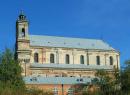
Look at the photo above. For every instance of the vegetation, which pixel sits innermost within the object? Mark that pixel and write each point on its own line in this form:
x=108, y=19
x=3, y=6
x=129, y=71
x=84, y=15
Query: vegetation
x=10, y=75
x=35, y=91
x=106, y=83
x=125, y=79
x=11, y=82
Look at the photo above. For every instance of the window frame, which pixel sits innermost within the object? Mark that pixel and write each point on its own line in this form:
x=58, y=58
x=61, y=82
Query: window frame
x=98, y=60
x=81, y=59
x=67, y=59
x=36, y=57
x=23, y=32
x=52, y=58
x=111, y=60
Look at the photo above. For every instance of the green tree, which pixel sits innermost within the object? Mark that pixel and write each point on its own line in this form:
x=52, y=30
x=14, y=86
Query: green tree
x=125, y=78
x=10, y=74
x=103, y=81
x=35, y=91
x=108, y=82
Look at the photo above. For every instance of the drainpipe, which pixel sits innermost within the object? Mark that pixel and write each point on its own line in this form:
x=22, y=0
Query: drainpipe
x=62, y=89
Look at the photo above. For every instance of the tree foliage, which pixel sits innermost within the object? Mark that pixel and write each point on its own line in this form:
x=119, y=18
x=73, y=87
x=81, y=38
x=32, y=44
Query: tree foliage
x=10, y=73
x=11, y=82
x=125, y=78
x=107, y=82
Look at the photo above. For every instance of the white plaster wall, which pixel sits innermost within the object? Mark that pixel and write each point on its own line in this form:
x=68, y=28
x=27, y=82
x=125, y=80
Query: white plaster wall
x=75, y=54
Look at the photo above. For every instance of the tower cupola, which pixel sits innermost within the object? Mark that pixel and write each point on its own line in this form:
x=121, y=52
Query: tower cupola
x=22, y=17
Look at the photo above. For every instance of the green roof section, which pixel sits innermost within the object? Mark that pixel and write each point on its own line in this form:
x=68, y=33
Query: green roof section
x=56, y=80
x=68, y=42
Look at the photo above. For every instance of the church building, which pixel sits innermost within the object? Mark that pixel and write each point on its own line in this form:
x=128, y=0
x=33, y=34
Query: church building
x=57, y=63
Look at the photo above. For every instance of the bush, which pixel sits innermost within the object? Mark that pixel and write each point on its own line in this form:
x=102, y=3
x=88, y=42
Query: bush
x=35, y=91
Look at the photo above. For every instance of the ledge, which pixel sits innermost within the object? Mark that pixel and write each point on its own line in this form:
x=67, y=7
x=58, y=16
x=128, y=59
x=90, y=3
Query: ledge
x=70, y=66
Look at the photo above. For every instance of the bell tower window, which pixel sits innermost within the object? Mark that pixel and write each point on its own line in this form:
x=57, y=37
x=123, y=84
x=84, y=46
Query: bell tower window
x=23, y=32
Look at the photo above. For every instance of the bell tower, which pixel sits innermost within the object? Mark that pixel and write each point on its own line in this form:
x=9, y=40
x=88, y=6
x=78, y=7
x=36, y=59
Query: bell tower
x=22, y=27
x=23, y=42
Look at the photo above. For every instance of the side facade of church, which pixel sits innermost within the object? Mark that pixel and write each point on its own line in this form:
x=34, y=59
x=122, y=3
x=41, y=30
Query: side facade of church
x=61, y=60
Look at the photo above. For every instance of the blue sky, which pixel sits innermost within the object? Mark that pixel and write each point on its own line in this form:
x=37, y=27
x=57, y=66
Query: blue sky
x=99, y=19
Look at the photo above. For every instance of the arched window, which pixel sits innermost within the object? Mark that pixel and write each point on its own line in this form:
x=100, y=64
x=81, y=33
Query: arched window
x=36, y=57
x=81, y=59
x=111, y=60
x=67, y=59
x=98, y=60
x=23, y=32
x=52, y=60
